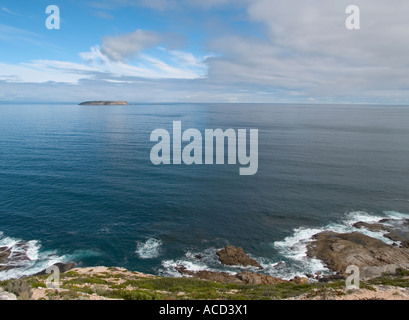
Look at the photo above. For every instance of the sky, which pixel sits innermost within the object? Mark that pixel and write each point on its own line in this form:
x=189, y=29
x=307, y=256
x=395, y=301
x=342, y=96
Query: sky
x=246, y=51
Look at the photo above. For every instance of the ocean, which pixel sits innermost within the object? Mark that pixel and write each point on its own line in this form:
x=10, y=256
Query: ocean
x=77, y=184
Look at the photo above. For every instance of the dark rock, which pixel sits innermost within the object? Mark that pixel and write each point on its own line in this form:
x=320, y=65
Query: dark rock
x=396, y=237
x=6, y=267
x=63, y=267
x=184, y=270
x=4, y=255
x=391, y=234
x=331, y=277
x=20, y=256
x=198, y=256
x=233, y=256
x=299, y=280
x=405, y=222
x=375, y=227
x=209, y=275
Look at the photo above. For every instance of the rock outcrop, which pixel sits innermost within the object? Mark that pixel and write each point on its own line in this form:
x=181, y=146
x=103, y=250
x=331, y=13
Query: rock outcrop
x=8, y=260
x=257, y=278
x=389, y=232
x=210, y=275
x=245, y=277
x=373, y=256
x=4, y=254
x=63, y=267
x=232, y=256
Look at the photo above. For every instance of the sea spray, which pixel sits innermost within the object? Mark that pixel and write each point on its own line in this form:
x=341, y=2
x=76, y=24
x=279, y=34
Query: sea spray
x=149, y=249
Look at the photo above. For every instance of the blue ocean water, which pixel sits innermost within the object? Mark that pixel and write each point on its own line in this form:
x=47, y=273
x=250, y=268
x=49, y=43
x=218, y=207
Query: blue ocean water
x=77, y=183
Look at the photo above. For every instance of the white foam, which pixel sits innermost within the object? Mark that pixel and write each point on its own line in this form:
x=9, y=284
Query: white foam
x=195, y=261
x=8, y=242
x=170, y=267
x=35, y=260
x=294, y=247
x=149, y=249
x=396, y=215
x=360, y=216
x=33, y=249
x=31, y=268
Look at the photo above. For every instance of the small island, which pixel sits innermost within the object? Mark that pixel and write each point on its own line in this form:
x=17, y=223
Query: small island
x=104, y=103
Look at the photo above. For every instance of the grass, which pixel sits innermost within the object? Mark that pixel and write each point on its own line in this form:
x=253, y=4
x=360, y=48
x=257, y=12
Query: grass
x=400, y=272
x=86, y=280
x=189, y=288
x=391, y=281
x=130, y=286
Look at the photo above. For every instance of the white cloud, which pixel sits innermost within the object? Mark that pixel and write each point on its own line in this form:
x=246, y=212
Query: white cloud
x=98, y=66
x=4, y=9
x=308, y=49
x=147, y=66
x=38, y=72
x=127, y=46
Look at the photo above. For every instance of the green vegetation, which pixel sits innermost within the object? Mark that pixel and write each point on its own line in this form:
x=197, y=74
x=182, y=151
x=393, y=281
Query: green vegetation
x=117, y=284
x=86, y=280
x=402, y=272
x=388, y=280
x=21, y=288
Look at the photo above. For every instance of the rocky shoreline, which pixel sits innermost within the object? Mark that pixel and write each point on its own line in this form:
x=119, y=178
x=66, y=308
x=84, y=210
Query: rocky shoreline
x=378, y=261
x=372, y=256
x=337, y=251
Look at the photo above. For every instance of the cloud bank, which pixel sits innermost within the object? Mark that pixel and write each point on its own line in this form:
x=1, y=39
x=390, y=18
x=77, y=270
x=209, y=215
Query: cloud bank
x=300, y=51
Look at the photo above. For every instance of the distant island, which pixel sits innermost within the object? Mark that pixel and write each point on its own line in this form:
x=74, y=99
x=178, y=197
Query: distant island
x=104, y=103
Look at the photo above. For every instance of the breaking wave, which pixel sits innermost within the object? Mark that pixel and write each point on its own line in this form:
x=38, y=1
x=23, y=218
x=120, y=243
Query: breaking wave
x=149, y=249
x=292, y=259
x=19, y=258
x=294, y=247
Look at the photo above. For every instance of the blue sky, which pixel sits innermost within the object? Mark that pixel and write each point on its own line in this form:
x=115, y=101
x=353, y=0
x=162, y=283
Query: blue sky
x=296, y=51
